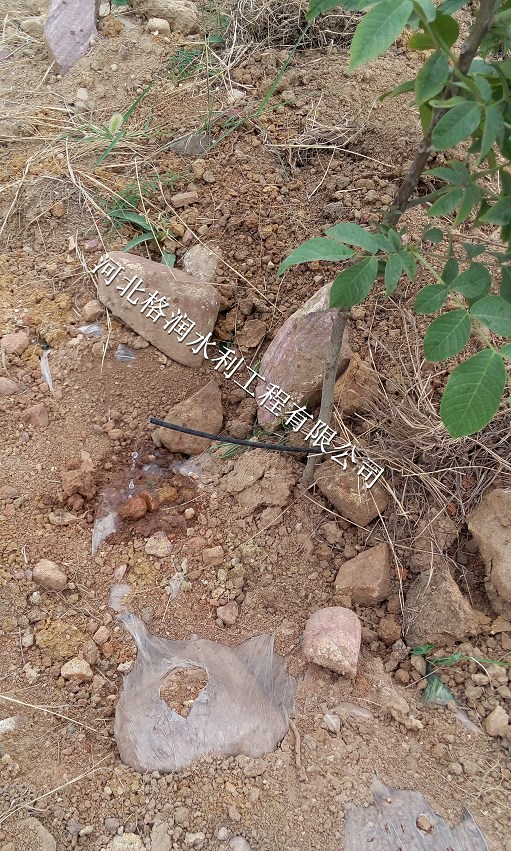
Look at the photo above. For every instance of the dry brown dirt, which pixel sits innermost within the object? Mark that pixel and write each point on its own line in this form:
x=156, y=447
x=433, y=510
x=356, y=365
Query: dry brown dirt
x=61, y=763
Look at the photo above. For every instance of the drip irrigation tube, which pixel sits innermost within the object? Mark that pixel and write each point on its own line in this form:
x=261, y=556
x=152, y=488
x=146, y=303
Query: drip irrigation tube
x=254, y=444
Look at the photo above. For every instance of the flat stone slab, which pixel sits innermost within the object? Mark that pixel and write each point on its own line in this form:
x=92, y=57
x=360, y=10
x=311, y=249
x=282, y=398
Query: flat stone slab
x=70, y=31
x=173, y=311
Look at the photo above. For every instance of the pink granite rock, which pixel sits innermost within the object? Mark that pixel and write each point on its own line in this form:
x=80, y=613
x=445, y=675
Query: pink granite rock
x=332, y=639
x=295, y=358
x=70, y=31
x=147, y=296
x=15, y=343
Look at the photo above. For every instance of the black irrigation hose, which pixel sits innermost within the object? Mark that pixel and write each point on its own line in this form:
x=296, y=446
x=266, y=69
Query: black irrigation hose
x=254, y=444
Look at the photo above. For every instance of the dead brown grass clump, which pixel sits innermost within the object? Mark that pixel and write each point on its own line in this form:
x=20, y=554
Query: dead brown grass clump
x=280, y=23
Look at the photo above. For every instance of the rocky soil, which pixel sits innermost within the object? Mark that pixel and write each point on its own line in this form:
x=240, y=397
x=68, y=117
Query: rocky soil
x=227, y=545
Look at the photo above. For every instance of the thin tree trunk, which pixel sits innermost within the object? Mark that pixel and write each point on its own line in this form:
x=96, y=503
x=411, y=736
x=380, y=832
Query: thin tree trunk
x=327, y=393
x=468, y=52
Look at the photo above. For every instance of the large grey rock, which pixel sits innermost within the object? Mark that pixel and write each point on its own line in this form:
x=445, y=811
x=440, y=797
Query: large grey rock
x=182, y=15
x=436, y=611
x=175, y=292
x=70, y=31
x=295, y=359
x=202, y=412
x=490, y=525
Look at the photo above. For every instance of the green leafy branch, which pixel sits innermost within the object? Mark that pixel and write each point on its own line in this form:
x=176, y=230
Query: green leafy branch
x=459, y=97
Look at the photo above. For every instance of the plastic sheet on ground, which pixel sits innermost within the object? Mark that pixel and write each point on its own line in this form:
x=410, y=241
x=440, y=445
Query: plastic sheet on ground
x=45, y=369
x=124, y=354
x=93, y=330
x=103, y=527
x=244, y=707
x=401, y=819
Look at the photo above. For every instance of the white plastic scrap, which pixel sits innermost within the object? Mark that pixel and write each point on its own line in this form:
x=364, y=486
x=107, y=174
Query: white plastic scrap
x=124, y=354
x=91, y=330
x=243, y=709
x=174, y=586
x=45, y=369
x=103, y=527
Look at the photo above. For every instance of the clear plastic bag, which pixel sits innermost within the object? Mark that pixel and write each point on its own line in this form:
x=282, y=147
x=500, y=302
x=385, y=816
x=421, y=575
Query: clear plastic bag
x=244, y=707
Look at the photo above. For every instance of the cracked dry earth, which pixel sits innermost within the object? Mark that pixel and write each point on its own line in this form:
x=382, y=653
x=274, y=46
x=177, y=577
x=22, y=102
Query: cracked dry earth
x=277, y=561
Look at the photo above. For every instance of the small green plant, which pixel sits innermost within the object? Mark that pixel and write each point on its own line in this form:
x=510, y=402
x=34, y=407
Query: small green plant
x=125, y=211
x=459, y=97
x=114, y=130
x=190, y=61
x=442, y=661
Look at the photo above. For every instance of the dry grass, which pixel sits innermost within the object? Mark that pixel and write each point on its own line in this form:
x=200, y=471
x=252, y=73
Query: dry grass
x=280, y=23
x=401, y=429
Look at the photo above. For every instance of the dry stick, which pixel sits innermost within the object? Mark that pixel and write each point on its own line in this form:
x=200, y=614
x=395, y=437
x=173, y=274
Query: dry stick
x=468, y=52
x=327, y=395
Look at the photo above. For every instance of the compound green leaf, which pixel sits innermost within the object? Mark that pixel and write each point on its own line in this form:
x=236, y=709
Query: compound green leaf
x=456, y=125
x=352, y=285
x=450, y=270
x=432, y=77
x=353, y=234
x=420, y=41
x=377, y=30
x=447, y=335
x=446, y=29
x=409, y=264
x=473, y=393
x=495, y=313
x=493, y=124
x=475, y=282
x=394, y=238
x=318, y=248
x=434, y=235
x=393, y=272
x=505, y=283
x=430, y=299
x=499, y=213
x=447, y=202
x=455, y=173
x=471, y=198
x=409, y=86
x=474, y=249
x=506, y=351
